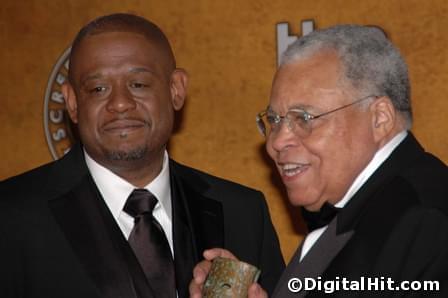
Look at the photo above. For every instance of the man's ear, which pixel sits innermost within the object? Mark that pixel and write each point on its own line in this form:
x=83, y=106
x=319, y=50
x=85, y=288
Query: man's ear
x=384, y=118
x=178, y=86
x=70, y=101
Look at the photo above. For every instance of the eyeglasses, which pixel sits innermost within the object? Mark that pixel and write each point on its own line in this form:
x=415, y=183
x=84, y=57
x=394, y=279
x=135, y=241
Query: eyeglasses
x=297, y=120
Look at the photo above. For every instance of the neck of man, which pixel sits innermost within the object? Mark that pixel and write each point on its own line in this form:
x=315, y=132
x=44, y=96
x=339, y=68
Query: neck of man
x=139, y=172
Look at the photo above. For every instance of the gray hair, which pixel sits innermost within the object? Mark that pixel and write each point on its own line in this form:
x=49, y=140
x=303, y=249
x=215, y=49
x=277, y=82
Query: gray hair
x=372, y=64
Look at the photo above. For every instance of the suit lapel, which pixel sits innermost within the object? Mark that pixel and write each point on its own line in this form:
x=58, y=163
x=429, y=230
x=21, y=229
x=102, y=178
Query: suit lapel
x=185, y=250
x=93, y=233
x=315, y=261
x=281, y=289
x=324, y=258
x=197, y=223
x=371, y=212
x=407, y=152
x=97, y=242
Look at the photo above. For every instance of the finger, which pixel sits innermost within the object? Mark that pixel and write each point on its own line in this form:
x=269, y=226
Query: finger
x=210, y=254
x=256, y=291
x=195, y=290
x=200, y=271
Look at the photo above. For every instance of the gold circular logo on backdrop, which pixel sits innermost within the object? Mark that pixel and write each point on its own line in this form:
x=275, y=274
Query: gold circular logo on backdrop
x=59, y=130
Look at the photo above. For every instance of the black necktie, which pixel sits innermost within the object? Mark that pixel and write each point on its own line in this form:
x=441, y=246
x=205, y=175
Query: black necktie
x=150, y=245
x=321, y=218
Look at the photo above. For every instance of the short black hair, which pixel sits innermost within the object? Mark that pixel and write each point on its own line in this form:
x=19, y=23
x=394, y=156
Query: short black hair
x=122, y=22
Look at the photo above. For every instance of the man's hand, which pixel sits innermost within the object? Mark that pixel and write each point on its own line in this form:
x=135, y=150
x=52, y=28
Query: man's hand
x=256, y=291
x=202, y=269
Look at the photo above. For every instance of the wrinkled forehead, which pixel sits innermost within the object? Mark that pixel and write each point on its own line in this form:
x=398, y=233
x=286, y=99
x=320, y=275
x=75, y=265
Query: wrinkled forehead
x=314, y=81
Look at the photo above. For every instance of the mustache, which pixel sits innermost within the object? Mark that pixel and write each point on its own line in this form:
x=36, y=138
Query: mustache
x=127, y=118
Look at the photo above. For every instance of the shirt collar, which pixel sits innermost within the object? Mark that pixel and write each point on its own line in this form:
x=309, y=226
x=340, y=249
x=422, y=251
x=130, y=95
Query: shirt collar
x=115, y=190
x=379, y=157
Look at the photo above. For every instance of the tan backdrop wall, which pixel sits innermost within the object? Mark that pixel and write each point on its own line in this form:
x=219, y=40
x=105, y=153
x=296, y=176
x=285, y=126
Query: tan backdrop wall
x=229, y=50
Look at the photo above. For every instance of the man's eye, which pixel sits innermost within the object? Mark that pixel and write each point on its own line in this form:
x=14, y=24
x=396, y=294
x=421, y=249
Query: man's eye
x=97, y=89
x=272, y=119
x=298, y=116
x=138, y=85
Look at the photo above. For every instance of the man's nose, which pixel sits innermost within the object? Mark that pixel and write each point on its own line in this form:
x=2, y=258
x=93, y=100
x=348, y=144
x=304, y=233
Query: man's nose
x=120, y=100
x=283, y=137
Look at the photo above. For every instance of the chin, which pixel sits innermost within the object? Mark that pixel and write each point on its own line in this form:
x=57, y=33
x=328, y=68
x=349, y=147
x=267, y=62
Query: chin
x=296, y=200
x=130, y=154
x=300, y=198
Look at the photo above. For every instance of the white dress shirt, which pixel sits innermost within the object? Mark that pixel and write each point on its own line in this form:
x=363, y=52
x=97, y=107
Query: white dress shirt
x=379, y=157
x=115, y=191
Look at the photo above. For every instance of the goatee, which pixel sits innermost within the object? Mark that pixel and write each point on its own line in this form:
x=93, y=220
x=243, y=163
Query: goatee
x=130, y=155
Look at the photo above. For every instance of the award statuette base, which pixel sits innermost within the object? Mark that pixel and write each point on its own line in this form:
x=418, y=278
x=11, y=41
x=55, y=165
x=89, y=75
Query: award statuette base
x=229, y=279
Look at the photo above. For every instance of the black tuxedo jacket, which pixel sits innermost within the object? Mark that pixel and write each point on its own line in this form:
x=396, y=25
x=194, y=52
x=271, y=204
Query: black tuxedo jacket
x=59, y=239
x=395, y=226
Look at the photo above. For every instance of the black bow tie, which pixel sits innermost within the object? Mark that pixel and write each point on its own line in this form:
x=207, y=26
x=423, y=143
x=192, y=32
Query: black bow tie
x=318, y=219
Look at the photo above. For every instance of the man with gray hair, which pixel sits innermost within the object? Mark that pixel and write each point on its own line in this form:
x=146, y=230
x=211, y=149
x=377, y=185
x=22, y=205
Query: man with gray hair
x=376, y=204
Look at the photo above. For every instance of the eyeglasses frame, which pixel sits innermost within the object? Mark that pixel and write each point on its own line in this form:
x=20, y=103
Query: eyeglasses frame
x=307, y=116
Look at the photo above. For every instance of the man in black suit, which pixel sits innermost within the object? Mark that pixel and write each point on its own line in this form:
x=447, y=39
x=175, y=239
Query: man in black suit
x=65, y=226
x=376, y=204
